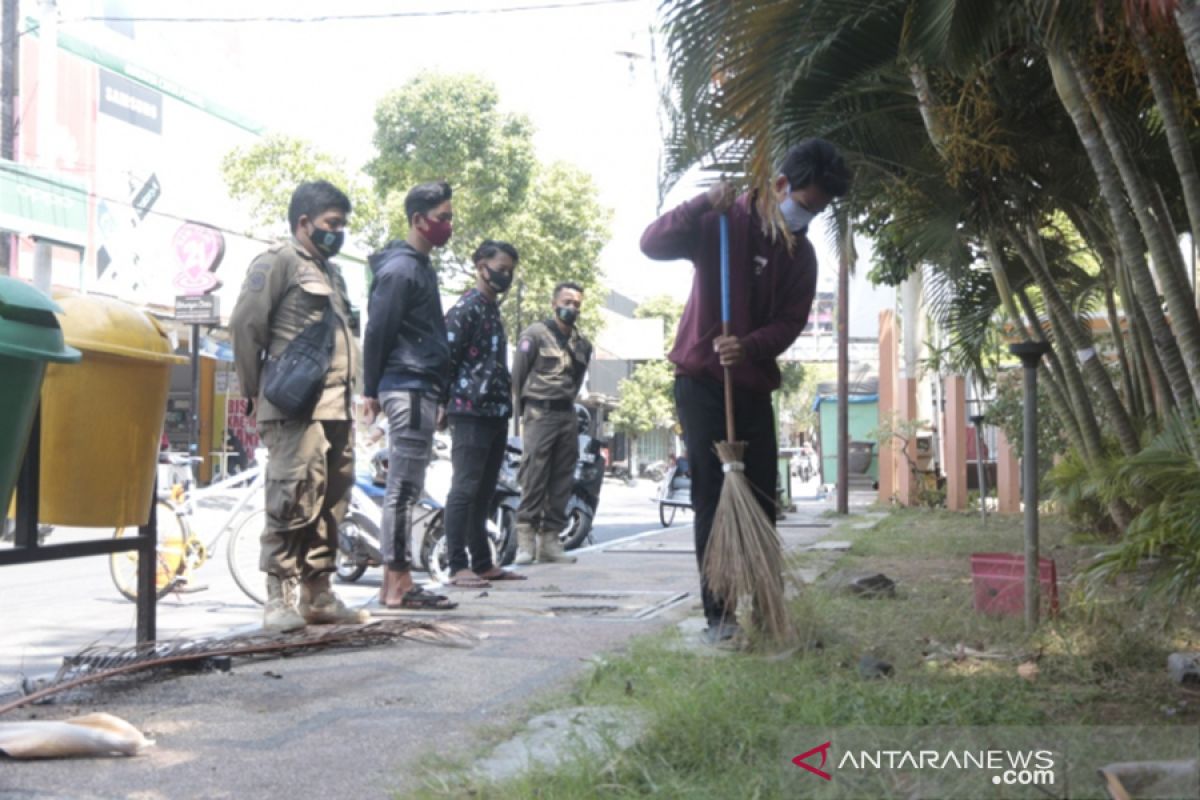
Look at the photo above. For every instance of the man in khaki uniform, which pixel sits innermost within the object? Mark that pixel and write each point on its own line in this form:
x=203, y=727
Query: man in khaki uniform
x=548, y=369
x=311, y=467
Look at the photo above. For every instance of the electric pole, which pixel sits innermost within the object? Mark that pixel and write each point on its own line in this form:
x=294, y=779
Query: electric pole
x=47, y=122
x=8, y=92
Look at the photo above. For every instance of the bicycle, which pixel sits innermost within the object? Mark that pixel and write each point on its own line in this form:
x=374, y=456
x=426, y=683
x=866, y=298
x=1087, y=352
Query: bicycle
x=181, y=552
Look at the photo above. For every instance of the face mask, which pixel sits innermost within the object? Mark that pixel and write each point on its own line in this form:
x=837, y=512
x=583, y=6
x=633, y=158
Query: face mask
x=438, y=232
x=796, y=215
x=500, y=281
x=567, y=314
x=328, y=243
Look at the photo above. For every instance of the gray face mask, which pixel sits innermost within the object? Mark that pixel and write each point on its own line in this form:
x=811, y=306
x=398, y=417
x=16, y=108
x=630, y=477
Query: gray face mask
x=796, y=215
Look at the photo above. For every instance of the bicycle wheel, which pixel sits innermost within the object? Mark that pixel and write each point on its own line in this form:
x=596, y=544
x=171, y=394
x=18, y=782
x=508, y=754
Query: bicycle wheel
x=243, y=551
x=169, y=555
x=666, y=514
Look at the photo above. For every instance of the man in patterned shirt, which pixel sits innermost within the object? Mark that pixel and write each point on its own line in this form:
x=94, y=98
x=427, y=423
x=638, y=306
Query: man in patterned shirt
x=478, y=405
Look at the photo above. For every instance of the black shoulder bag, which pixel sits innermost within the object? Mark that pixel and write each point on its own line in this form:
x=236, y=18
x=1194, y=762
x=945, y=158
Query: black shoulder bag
x=293, y=382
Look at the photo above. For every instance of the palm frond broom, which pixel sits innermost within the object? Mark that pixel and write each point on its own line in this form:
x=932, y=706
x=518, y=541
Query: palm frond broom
x=744, y=557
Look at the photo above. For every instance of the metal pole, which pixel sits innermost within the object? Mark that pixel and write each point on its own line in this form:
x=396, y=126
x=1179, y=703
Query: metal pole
x=147, y=601
x=843, y=362
x=1031, y=354
x=8, y=90
x=977, y=421
x=194, y=427
x=47, y=122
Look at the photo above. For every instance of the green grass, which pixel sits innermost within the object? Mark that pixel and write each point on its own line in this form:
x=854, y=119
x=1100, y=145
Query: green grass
x=719, y=724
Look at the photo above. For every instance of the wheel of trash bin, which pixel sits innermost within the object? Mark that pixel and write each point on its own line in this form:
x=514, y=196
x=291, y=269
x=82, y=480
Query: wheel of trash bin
x=243, y=551
x=173, y=535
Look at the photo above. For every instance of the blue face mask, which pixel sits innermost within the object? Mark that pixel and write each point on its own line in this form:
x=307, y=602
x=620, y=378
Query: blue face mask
x=796, y=215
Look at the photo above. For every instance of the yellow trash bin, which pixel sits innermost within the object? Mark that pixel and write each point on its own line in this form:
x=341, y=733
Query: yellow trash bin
x=102, y=419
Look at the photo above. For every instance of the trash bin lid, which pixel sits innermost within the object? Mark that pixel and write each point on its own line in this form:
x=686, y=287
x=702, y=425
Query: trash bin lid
x=105, y=325
x=28, y=327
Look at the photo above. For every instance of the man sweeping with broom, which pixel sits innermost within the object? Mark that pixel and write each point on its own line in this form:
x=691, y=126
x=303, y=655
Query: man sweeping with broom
x=725, y=370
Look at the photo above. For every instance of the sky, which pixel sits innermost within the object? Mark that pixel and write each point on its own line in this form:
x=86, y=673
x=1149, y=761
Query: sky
x=588, y=77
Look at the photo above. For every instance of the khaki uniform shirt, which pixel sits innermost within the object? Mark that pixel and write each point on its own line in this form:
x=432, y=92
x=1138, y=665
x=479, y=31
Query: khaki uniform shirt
x=547, y=365
x=284, y=292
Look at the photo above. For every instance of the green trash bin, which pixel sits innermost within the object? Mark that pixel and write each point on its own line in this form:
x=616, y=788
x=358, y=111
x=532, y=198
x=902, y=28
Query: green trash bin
x=29, y=337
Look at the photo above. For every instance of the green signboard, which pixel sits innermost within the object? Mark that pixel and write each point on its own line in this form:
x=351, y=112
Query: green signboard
x=39, y=202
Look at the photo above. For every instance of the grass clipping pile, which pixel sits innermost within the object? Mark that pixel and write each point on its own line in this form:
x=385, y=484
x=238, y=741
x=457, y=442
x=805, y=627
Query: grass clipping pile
x=98, y=664
x=744, y=557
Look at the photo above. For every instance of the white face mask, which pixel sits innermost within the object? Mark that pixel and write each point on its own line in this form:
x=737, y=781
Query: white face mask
x=796, y=215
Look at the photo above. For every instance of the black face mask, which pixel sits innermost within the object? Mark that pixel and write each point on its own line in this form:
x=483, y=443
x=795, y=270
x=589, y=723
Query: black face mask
x=328, y=243
x=566, y=314
x=500, y=281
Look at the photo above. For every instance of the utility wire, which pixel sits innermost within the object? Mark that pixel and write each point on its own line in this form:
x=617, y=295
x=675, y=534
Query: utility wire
x=449, y=12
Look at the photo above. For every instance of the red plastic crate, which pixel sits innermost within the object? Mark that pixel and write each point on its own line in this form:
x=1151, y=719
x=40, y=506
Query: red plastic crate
x=999, y=582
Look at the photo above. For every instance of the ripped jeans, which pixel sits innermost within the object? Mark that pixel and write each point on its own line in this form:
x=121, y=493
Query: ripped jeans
x=412, y=416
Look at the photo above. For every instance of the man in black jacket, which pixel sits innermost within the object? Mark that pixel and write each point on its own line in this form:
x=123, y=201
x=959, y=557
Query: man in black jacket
x=478, y=406
x=405, y=364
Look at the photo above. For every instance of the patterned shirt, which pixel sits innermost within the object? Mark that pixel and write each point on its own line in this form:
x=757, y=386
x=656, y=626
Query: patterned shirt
x=480, y=384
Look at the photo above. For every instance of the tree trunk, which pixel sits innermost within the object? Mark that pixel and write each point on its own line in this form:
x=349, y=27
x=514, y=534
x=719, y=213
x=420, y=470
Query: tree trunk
x=1167, y=261
x=1080, y=341
x=1188, y=18
x=1177, y=137
x=1151, y=380
x=1129, y=240
x=1132, y=398
x=1056, y=382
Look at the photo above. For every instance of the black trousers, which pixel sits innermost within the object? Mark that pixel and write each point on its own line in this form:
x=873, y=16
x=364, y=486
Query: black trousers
x=477, y=453
x=701, y=407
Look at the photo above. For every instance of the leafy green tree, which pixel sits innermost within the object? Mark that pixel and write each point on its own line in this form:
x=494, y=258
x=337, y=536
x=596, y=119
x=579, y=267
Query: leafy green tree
x=263, y=175
x=646, y=403
x=559, y=231
x=450, y=127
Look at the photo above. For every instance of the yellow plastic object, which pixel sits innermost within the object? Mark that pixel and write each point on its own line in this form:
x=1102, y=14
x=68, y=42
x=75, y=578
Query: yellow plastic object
x=102, y=419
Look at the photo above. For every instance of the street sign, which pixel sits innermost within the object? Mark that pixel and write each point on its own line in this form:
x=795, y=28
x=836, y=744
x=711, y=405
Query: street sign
x=198, y=309
x=199, y=248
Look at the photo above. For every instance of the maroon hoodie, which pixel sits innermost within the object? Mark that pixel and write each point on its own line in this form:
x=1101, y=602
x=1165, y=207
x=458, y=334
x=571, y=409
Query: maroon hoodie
x=771, y=290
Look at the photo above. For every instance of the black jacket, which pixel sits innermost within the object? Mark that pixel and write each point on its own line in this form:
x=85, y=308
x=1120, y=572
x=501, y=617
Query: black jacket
x=405, y=342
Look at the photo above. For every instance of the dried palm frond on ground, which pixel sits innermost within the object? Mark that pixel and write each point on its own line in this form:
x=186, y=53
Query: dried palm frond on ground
x=97, y=664
x=744, y=557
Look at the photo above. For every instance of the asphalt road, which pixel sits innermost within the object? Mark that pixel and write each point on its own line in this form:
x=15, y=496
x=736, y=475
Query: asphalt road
x=59, y=608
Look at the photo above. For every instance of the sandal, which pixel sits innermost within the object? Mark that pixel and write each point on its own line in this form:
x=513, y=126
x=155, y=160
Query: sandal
x=469, y=580
x=420, y=599
x=504, y=575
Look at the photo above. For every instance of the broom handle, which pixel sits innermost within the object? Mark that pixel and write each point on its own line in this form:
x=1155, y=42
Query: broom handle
x=729, y=432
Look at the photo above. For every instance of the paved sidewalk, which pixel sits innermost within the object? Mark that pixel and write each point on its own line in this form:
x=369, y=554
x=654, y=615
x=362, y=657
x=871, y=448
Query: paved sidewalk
x=362, y=722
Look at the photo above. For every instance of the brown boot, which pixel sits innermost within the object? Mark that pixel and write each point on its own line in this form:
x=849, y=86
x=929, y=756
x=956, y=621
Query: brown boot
x=550, y=549
x=525, y=545
x=396, y=583
x=279, y=612
x=320, y=606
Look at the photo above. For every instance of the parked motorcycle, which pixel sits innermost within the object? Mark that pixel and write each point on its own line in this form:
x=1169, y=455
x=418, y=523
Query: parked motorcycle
x=359, y=534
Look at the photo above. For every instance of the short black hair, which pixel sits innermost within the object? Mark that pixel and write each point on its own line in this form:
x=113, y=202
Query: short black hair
x=490, y=247
x=817, y=161
x=313, y=198
x=566, y=285
x=426, y=197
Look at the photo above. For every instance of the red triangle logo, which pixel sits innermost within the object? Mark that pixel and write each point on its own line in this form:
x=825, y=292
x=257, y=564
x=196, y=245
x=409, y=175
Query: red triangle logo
x=801, y=760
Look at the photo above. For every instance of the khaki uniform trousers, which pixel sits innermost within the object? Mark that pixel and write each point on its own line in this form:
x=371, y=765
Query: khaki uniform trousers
x=550, y=449
x=309, y=477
